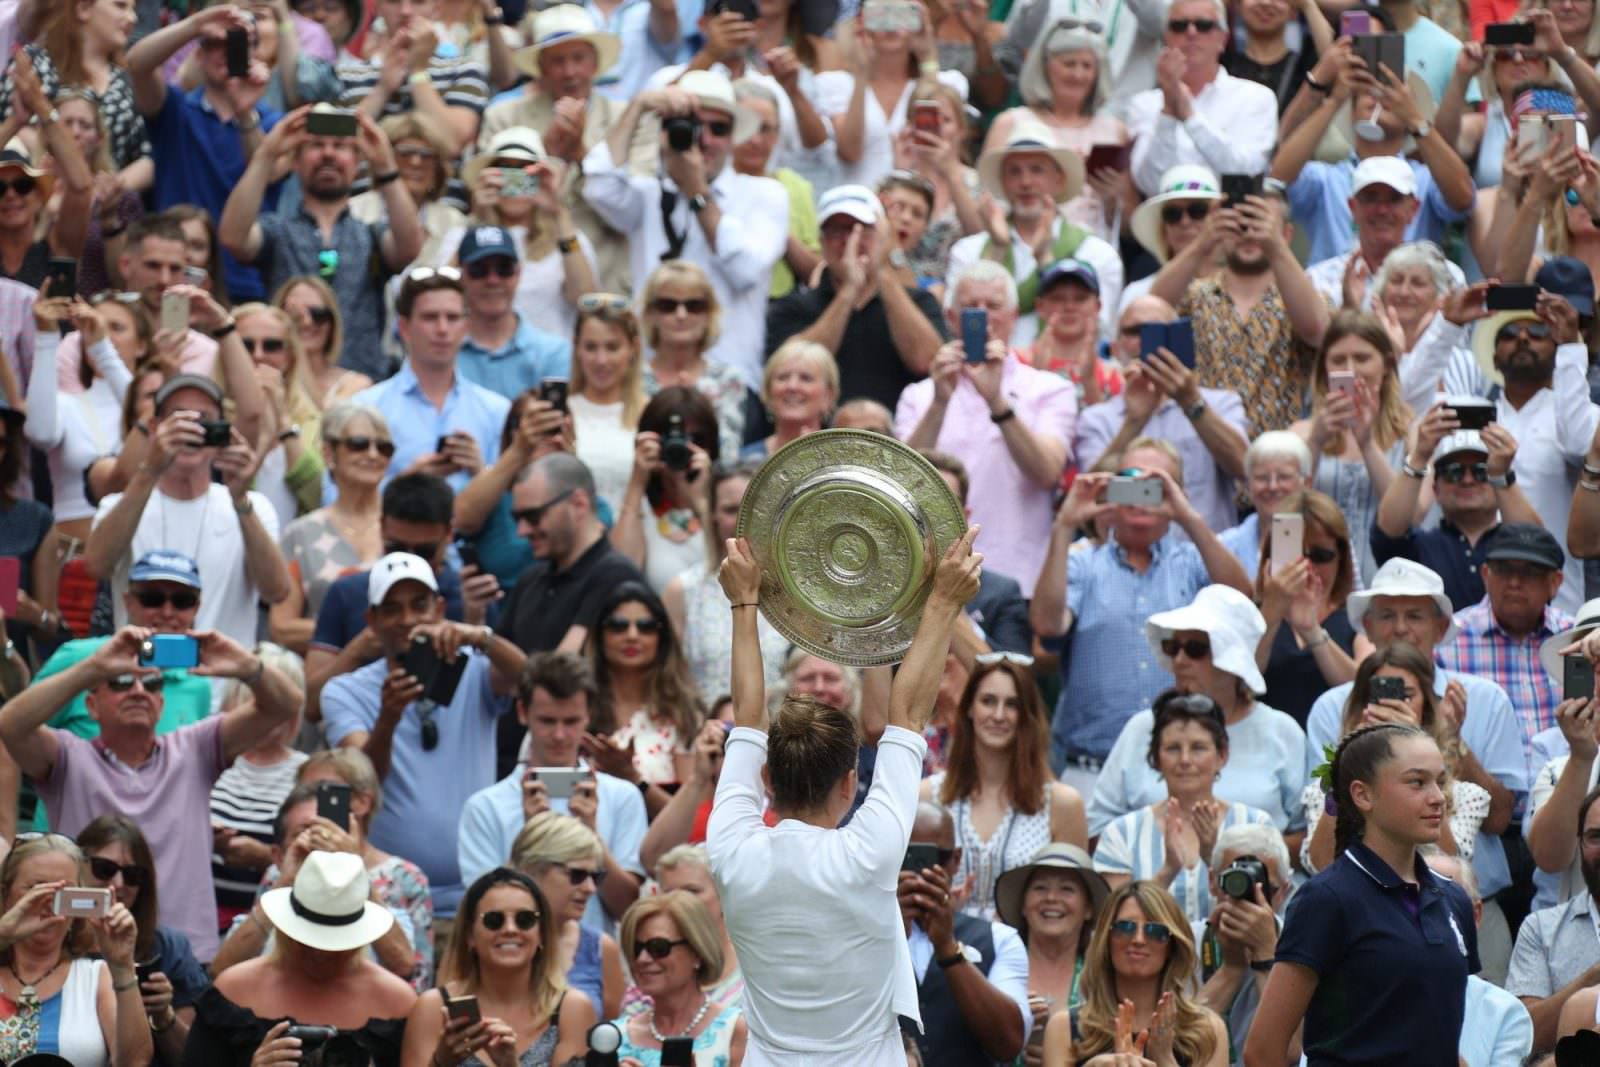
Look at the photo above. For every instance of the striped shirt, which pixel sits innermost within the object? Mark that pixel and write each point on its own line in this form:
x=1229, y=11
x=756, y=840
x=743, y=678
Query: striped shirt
x=462, y=83
x=1482, y=648
x=1134, y=845
x=246, y=798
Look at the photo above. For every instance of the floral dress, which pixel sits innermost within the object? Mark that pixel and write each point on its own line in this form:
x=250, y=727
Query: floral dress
x=654, y=743
x=711, y=1046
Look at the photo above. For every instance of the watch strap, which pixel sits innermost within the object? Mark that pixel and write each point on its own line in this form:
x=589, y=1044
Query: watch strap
x=957, y=957
x=1503, y=481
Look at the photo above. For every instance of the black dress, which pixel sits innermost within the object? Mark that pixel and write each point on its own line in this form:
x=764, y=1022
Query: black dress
x=226, y=1035
x=1294, y=681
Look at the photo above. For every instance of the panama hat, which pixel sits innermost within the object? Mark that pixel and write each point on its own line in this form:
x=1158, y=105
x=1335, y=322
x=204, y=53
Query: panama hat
x=1402, y=577
x=15, y=155
x=715, y=91
x=1186, y=181
x=558, y=25
x=521, y=144
x=1027, y=136
x=1010, y=888
x=1550, y=648
x=1484, y=336
x=327, y=907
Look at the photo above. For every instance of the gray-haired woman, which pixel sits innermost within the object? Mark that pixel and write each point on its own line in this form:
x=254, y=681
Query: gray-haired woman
x=1276, y=466
x=1407, y=292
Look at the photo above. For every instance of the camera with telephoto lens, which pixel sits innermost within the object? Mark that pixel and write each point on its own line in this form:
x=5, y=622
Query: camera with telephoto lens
x=1239, y=878
x=683, y=131
x=324, y=1046
x=675, y=454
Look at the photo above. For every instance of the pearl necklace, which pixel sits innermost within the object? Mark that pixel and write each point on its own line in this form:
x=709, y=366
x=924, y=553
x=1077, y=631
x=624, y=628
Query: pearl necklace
x=705, y=1006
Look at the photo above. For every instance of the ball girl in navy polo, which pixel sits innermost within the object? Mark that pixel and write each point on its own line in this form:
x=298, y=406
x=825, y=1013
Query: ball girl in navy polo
x=1376, y=949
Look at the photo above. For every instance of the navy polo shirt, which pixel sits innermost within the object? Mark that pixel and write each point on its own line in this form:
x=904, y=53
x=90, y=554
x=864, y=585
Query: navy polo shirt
x=344, y=608
x=1391, y=959
x=1445, y=551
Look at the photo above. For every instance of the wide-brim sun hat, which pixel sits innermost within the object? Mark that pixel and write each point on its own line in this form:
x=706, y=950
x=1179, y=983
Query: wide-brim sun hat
x=1232, y=622
x=1186, y=181
x=521, y=144
x=1550, y=656
x=1012, y=886
x=1402, y=577
x=1029, y=136
x=559, y=24
x=1484, y=335
x=715, y=91
x=15, y=156
x=328, y=908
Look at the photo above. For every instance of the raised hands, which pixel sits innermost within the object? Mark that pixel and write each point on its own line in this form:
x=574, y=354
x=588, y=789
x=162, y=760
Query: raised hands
x=956, y=579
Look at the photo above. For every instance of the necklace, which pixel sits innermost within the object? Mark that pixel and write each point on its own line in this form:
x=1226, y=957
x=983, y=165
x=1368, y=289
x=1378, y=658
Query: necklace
x=200, y=536
x=28, y=996
x=705, y=1006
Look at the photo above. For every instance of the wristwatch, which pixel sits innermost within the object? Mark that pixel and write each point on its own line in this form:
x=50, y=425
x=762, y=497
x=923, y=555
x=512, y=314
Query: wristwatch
x=292, y=432
x=698, y=203
x=959, y=956
x=1503, y=481
x=1423, y=129
x=898, y=259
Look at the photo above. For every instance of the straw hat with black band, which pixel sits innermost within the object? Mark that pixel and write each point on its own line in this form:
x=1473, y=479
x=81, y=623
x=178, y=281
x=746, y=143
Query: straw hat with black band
x=328, y=907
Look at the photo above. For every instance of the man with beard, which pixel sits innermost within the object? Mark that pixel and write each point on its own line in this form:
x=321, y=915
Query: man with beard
x=1257, y=320
x=1558, y=949
x=322, y=237
x=1545, y=405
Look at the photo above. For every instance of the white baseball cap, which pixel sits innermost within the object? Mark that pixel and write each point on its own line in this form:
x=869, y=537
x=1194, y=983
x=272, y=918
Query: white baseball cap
x=857, y=201
x=1392, y=171
x=394, y=568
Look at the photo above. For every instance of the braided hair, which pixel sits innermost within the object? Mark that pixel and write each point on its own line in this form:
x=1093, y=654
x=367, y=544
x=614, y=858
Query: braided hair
x=1357, y=759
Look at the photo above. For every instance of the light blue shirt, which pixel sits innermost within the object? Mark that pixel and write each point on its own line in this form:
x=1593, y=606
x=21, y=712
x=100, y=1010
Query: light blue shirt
x=531, y=356
x=1244, y=541
x=642, y=55
x=1265, y=770
x=1491, y=730
x=1134, y=845
x=424, y=791
x=492, y=819
x=1319, y=200
x=416, y=425
x=1496, y=1029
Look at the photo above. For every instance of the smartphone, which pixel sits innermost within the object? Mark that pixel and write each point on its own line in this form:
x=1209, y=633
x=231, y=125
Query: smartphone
x=745, y=9
x=975, y=333
x=920, y=858
x=887, y=16
x=1355, y=24
x=677, y=1052
x=468, y=554
x=1180, y=341
x=1343, y=381
x=143, y=970
x=196, y=276
x=1577, y=678
x=1511, y=298
x=1386, y=49
x=237, y=44
x=62, y=274
x=76, y=903
x=421, y=660
x=1531, y=134
x=1288, y=540
x=553, y=391
x=169, y=651
x=1235, y=187
x=925, y=116
x=218, y=433
x=442, y=442
x=311, y=1036
x=464, y=1008
x=1508, y=34
x=1472, y=412
x=333, y=803
x=517, y=184
x=175, y=312
x=330, y=122
x=559, y=781
x=10, y=582
x=1561, y=130
x=1386, y=687
x=1107, y=157
x=1136, y=492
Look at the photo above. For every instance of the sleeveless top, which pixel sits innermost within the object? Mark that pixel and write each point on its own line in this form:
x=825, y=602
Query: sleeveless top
x=65, y=1024
x=1350, y=485
x=1013, y=844
x=585, y=973
x=711, y=1046
x=539, y=1053
x=708, y=635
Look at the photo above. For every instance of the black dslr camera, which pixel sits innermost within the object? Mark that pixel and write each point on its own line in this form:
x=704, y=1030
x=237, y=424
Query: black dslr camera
x=324, y=1046
x=683, y=131
x=675, y=454
x=1239, y=879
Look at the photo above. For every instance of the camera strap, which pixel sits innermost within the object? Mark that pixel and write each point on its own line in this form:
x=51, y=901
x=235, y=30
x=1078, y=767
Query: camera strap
x=675, y=238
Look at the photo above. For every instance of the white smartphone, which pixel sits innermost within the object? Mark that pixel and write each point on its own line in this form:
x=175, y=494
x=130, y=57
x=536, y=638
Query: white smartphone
x=175, y=312
x=1288, y=540
x=559, y=781
x=1343, y=381
x=1531, y=133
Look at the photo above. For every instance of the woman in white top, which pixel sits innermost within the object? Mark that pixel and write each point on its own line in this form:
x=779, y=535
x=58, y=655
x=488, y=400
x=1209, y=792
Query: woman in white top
x=997, y=782
x=1408, y=292
x=52, y=995
x=664, y=509
x=606, y=393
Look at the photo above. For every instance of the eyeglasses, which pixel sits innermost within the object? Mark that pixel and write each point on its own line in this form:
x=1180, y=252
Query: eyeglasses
x=1193, y=647
x=275, y=345
x=122, y=683
x=328, y=262
x=151, y=599
x=1160, y=933
x=620, y=625
x=423, y=549
x=719, y=127
x=500, y=266
x=579, y=875
x=534, y=515
x=593, y=302
x=525, y=918
x=1535, y=331
x=1185, y=25
x=666, y=305
x=384, y=446
x=659, y=948
x=414, y=151
x=989, y=659
x=1322, y=556
x=1172, y=214
x=1455, y=473
x=106, y=869
x=23, y=186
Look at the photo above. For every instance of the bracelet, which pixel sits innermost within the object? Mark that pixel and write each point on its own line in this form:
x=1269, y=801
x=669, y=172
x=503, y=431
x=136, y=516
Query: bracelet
x=226, y=328
x=1005, y=416
x=172, y=1017
x=418, y=77
x=142, y=428
x=750, y=604
x=567, y=245
x=930, y=67
x=1196, y=411
x=248, y=127
x=1593, y=487
x=123, y=987
x=1593, y=472
x=1411, y=472
x=384, y=179
x=251, y=679
x=1261, y=965
x=1318, y=641
x=1318, y=86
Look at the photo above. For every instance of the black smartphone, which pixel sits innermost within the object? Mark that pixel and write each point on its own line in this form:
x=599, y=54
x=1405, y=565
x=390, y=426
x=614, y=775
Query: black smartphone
x=1577, y=678
x=1387, y=687
x=218, y=433
x=464, y=1008
x=469, y=554
x=331, y=122
x=1235, y=187
x=553, y=391
x=143, y=970
x=439, y=679
x=62, y=274
x=677, y=1052
x=1511, y=298
x=1108, y=157
x=439, y=445
x=745, y=9
x=333, y=803
x=1508, y=34
x=237, y=44
x=1387, y=49
x=920, y=857
x=1472, y=416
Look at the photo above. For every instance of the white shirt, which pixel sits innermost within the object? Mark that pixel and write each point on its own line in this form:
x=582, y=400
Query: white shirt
x=1008, y=972
x=1553, y=431
x=1496, y=1029
x=605, y=446
x=207, y=531
x=75, y=429
x=834, y=89
x=1328, y=276
x=1232, y=129
x=818, y=992
x=1105, y=260
x=751, y=236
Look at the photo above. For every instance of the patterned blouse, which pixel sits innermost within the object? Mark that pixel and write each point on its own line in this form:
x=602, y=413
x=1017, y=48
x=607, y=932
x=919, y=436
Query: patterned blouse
x=130, y=142
x=1257, y=357
x=319, y=555
x=1012, y=844
x=654, y=742
x=725, y=388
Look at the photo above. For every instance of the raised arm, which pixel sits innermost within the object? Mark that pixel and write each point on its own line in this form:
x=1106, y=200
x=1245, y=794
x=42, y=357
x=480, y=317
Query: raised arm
x=741, y=581
x=917, y=682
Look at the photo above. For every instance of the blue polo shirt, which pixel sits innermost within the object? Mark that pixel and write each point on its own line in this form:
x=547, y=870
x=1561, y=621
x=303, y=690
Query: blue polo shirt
x=531, y=356
x=417, y=425
x=1391, y=960
x=199, y=160
x=343, y=614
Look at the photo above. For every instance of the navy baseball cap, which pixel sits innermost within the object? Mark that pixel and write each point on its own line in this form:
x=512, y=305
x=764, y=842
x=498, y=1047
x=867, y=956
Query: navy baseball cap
x=482, y=242
x=1570, y=279
x=1526, y=542
x=164, y=565
x=1069, y=270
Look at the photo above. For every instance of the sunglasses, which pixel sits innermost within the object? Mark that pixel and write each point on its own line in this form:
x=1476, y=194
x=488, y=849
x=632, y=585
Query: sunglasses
x=619, y=625
x=534, y=515
x=320, y=315
x=1532, y=330
x=106, y=869
x=496, y=265
x=384, y=446
x=151, y=599
x=659, y=948
x=414, y=151
x=430, y=729
x=114, y=294
x=328, y=262
x=122, y=683
x=989, y=659
x=1185, y=25
x=1172, y=214
x=525, y=918
x=592, y=302
x=24, y=186
x=666, y=305
x=274, y=345
x=424, y=549
x=422, y=274
x=908, y=177
x=1160, y=933
x=1321, y=555
x=579, y=875
x=1456, y=473
x=719, y=128
x=1193, y=647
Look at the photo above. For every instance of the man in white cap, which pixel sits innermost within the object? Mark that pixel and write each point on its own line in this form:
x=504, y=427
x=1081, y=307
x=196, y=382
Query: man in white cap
x=432, y=742
x=1390, y=195
x=883, y=333
x=698, y=208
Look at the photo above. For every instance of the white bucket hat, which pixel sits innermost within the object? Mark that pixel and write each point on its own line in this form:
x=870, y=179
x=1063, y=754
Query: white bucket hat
x=1029, y=135
x=1186, y=181
x=327, y=907
x=715, y=91
x=1402, y=577
x=520, y=143
x=1550, y=648
x=1229, y=618
x=559, y=24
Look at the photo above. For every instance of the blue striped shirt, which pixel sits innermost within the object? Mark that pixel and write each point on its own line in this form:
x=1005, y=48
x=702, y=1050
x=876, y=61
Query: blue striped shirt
x=1134, y=845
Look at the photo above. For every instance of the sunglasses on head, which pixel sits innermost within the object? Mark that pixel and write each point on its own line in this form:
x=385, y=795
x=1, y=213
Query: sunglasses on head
x=1193, y=647
x=593, y=302
x=666, y=305
x=1455, y=473
x=114, y=294
x=579, y=875
x=534, y=515
x=24, y=186
x=1533, y=330
x=908, y=177
x=499, y=266
x=182, y=599
x=1172, y=214
x=384, y=446
x=422, y=549
x=422, y=274
x=988, y=659
x=122, y=683
x=1160, y=933
x=106, y=869
x=619, y=625
x=1321, y=555
x=525, y=918
x=1185, y=25
x=274, y=345
x=659, y=948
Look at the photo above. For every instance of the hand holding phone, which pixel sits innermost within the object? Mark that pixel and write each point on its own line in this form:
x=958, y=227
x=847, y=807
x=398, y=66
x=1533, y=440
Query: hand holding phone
x=333, y=803
x=1288, y=540
x=975, y=334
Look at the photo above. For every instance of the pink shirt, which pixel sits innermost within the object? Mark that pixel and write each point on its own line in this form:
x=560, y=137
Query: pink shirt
x=1014, y=512
x=199, y=357
x=169, y=797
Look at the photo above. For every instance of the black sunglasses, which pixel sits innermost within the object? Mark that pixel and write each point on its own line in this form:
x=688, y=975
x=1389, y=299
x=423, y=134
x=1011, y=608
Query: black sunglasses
x=265, y=344
x=152, y=599
x=1321, y=555
x=424, y=549
x=24, y=186
x=659, y=947
x=1193, y=647
x=1185, y=25
x=719, y=128
x=384, y=446
x=430, y=729
x=1160, y=933
x=122, y=683
x=525, y=918
x=497, y=265
x=320, y=315
x=619, y=625
x=579, y=875
x=665, y=305
x=1456, y=473
x=106, y=869
x=534, y=515
x=1195, y=209
x=1534, y=330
